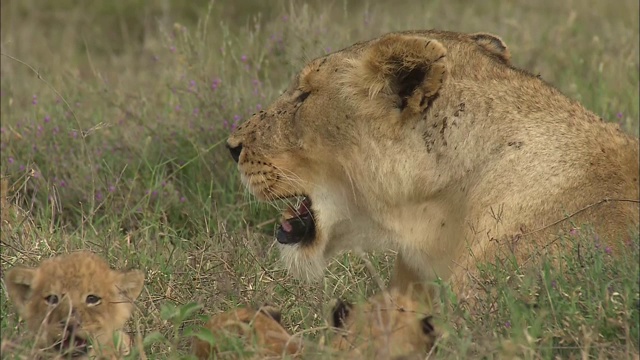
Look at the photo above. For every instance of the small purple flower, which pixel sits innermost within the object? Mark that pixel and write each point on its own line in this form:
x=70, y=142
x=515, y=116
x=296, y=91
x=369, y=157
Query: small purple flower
x=74, y=134
x=47, y=119
x=243, y=58
x=574, y=232
x=507, y=324
x=196, y=111
x=34, y=100
x=236, y=118
x=258, y=107
x=327, y=50
x=608, y=250
x=215, y=83
x=10, y=160
x=183, y=199
x=172, y=49
x=63, y=183
x=554, y=284
x=112, y=188
x=154, y=193
x=619, y=115
x=22, y=168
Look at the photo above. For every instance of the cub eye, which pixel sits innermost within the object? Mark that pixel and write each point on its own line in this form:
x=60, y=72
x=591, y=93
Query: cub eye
x=302, y=97
x=51, y=299
x=93, y=300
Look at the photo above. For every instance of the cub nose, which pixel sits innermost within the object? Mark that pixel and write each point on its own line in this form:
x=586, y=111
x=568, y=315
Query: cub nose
x=235, y=151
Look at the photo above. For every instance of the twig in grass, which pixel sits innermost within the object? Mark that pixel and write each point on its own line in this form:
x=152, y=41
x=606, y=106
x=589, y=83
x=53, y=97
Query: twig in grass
x=605, y=200
x=372, y=270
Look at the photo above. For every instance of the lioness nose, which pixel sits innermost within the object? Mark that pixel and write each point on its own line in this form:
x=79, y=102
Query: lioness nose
x=235, y=151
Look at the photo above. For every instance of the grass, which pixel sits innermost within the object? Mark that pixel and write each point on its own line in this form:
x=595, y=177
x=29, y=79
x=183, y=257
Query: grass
x=114, y=116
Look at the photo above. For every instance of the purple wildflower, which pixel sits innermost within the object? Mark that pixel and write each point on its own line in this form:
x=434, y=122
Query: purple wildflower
x=10, y=160
x=243, y=58
x=574, y=232
x=34, y=100
x=112, y=188
x=47, y=119
x=183, y=199
x=608, y=250
x=619, y=115
x=507, y=324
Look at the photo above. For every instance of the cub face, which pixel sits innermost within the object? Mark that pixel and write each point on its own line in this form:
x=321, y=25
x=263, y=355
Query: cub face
x=75, y=303
x=388, y=325
x=259, y=331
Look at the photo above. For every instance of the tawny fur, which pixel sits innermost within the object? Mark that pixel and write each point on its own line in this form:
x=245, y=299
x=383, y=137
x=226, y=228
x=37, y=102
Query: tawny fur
x=259, y=332
x=433, y=144
x=389, y=325
x=72, y=278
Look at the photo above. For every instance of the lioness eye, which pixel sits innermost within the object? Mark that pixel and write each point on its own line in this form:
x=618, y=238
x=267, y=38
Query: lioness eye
x=51, y=299
x=93, y=300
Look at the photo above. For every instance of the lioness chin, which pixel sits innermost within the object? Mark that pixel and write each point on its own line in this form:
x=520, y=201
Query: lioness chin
x=434, y=144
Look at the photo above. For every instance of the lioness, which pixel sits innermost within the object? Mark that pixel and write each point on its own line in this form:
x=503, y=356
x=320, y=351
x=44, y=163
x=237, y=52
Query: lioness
x=257, y=331
x=75, y=304
x=433, y=144
x=389, y=325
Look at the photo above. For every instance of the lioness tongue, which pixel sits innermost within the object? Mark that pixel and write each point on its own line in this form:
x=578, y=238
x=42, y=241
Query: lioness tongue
x=290, y=213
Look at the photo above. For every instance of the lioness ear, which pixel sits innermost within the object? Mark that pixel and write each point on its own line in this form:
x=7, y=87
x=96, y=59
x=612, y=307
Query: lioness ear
x=130, y=283
x=340, y=312
x=18, y=281
x=409, y=69
x=494, y=45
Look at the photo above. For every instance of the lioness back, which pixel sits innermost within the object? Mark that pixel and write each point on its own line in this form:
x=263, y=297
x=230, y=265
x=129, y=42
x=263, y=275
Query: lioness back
x=75, y=304
x=434, y=144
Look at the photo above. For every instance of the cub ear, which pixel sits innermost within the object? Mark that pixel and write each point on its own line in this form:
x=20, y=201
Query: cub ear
x=494, y=45
x=272, y=312
x=409, y=69
x=130, y=283
x=427, y=325
x=19, y=281
x=339, y=313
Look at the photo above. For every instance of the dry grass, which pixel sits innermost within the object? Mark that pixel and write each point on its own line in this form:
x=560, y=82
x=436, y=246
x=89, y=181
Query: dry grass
x=116, y=146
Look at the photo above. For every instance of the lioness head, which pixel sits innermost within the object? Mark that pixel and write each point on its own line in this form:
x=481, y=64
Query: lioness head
x=387, y=326
x=73, y=301
x=339, y=139
x=257, y=331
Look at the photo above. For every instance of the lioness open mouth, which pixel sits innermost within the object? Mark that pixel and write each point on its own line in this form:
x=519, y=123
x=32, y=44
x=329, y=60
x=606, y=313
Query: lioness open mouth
x=72, y=345
x=298, y=224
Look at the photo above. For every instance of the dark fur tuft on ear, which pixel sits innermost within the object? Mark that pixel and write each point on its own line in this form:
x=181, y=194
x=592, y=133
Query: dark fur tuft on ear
x=427, y=325
x=272, y=312
x=340, y=313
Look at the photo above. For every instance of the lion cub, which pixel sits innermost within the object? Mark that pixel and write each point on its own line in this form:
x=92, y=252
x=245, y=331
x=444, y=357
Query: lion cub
x=254, y=332
x=389, y=325
x=75, y=305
